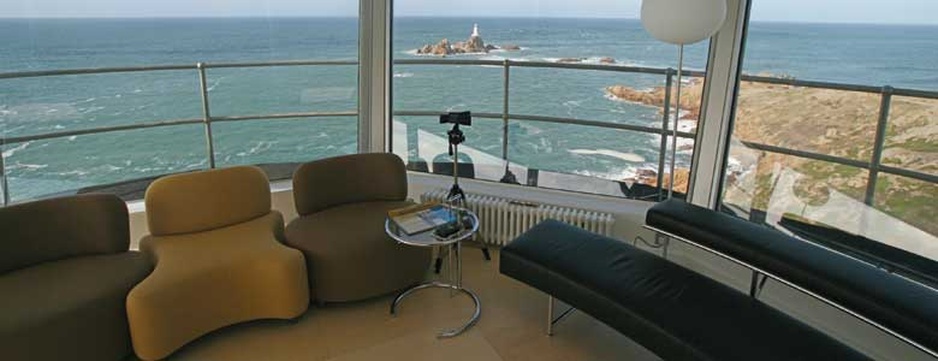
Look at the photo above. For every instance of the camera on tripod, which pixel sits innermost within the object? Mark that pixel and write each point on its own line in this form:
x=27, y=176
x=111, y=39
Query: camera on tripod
x=459, y=118
x=456, y=136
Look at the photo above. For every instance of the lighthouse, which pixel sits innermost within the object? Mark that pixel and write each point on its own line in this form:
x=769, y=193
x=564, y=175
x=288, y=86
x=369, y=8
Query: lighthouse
x=475, y=30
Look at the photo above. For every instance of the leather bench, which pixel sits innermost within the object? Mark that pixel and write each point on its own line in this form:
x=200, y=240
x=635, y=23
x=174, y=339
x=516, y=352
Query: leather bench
x=895, y=304
x=674, y=312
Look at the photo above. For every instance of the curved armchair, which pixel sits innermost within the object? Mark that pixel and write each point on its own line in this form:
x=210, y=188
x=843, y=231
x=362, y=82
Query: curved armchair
x=65, y=271
x=342, y=204
x=219, y=260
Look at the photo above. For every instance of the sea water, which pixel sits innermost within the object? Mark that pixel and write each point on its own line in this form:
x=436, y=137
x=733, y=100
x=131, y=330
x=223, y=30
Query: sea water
x=899, y=56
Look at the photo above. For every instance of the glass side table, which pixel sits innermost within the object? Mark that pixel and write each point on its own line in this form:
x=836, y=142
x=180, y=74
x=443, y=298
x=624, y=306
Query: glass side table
x=454, y=283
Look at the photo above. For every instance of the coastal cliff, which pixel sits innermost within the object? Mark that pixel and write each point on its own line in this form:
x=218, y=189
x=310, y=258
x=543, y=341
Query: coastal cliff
x=832, y=122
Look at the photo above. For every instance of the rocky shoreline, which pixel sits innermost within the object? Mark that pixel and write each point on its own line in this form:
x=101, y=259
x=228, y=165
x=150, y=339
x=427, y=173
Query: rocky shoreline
x=825, y=121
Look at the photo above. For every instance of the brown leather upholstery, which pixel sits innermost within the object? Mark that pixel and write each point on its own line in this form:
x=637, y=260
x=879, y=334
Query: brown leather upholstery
x=343, y=203
x=67, y=303
x=222, y=267
x=349, y=179
x=58, y=228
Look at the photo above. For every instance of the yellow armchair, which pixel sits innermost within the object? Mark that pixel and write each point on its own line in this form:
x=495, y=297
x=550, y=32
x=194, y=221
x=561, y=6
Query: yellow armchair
x=219, y=260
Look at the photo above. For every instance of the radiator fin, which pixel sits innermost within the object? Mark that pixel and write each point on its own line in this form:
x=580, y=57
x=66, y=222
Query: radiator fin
x=501, y=220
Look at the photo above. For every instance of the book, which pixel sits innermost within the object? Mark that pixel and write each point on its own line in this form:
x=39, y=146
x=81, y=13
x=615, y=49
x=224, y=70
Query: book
x=422, y=217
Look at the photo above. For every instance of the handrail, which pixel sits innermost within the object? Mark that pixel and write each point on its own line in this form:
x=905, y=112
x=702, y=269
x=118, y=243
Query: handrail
x=873, y=165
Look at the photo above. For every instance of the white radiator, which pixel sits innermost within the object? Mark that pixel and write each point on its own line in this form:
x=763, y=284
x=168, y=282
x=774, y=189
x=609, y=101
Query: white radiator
x=501, y=220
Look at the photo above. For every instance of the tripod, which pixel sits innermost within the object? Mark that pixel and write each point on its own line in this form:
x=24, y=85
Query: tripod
x=456, y=196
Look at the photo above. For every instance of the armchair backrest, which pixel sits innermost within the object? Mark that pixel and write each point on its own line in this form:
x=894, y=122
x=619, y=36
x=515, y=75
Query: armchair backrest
x=348, y=179
x=206, y=200
x=59, y=228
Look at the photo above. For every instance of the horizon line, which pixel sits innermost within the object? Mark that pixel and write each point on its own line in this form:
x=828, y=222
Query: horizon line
x=172, y=17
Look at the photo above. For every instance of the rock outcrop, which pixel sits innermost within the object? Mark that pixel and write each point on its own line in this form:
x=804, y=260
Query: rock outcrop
x=474, y=45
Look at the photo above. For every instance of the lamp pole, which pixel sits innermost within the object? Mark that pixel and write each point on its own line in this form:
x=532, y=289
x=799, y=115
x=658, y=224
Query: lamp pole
x=677, y=118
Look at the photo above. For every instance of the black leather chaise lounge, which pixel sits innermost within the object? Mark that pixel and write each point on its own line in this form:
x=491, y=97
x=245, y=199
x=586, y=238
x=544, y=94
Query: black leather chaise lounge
x=672, y=311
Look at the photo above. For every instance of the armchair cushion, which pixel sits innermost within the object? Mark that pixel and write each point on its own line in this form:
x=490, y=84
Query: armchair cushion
x=59, y=228
x=350, y=257
x=206, y=200
x=349, y=179
x=69, y=309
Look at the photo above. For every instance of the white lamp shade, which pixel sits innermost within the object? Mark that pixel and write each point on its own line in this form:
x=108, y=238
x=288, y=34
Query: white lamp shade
x=683, y=21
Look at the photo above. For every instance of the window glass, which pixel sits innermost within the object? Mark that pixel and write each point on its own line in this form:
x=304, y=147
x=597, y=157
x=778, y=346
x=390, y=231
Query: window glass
x=836, y=124
x=565, y=95
x=138, y=112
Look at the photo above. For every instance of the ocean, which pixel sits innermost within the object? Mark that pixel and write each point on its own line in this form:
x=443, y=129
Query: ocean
x=899, y=56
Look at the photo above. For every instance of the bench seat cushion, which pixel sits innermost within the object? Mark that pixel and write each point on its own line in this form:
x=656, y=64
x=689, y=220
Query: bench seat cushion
x=674, y=312
x=895, y=302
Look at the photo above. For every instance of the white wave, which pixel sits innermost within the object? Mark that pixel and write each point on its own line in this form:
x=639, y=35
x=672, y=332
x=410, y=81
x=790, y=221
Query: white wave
x=214, y=84
x=628, y=157
x=74, y=172
x=531, y=130
x=138, y=91
x=403, y=75
x=118, y=95
x=201, y=163
x=500, y=50
x=72, y=138
x=12, y=151
x=19, y=165
x=260, y=147
x=617, y=175
x=110, y=168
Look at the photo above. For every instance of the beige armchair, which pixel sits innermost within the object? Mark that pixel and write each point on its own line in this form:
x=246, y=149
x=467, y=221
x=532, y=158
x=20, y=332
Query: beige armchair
x=65, y=272
x=342, y=204
x=219, y=260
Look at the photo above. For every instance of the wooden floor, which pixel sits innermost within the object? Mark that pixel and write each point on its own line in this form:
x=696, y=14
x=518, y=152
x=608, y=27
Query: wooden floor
x=511, y=328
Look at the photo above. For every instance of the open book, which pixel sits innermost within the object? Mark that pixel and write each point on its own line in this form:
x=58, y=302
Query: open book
x=422, y=217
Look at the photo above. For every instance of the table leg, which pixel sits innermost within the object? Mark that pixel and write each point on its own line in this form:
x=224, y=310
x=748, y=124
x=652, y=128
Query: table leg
x=455, y=274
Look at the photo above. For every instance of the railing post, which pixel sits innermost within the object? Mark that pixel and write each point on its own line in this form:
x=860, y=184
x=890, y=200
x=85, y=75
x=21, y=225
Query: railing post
x=506, y=82
x=663, y=151
x=207, y=117
x=508, y=177
x=3, y=180
x=878, y=144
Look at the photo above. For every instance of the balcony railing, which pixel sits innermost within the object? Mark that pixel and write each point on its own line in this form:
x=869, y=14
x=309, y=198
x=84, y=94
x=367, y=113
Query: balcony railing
x=873, y=165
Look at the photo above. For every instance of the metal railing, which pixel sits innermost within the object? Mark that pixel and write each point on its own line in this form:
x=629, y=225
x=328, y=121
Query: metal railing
x=873, y=165
x=207, y=119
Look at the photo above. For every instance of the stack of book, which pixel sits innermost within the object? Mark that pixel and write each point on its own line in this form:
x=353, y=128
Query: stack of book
x=422, y=217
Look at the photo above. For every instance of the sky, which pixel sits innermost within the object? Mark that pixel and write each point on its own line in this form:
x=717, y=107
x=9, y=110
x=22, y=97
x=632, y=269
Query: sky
x=830, y=11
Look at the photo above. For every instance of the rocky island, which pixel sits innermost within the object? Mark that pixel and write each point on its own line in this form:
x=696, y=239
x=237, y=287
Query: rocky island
x=474, y=45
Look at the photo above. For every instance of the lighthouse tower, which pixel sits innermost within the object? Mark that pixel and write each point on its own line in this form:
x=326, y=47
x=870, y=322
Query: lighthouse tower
x=475, y=30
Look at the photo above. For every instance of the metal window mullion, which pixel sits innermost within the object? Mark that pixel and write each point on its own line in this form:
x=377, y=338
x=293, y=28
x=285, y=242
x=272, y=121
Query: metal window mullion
x=207, y=117
x=879, y=142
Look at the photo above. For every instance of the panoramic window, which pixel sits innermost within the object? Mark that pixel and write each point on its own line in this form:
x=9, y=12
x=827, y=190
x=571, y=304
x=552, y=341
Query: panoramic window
x=564, y=95
x=141, y=111
x=836, y=124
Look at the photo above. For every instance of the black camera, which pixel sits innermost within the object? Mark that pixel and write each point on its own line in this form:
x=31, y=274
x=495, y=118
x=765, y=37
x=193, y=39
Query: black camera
x=460, y=118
